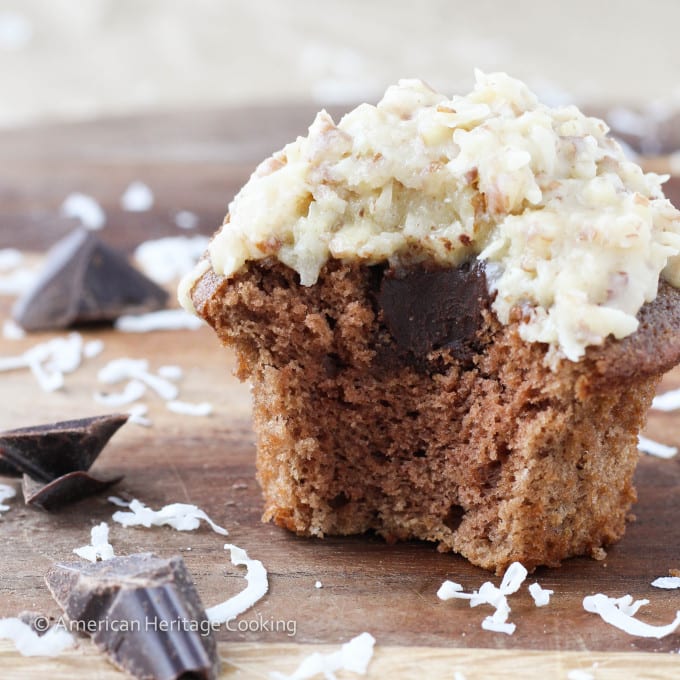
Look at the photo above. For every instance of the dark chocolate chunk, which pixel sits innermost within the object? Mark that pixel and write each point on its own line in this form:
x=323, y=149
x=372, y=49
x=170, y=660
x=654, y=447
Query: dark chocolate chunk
x=45, y=452
x=143, y=611
x=69, y=488
x=54, y=459
x=428, y=309
x=85, y=281
x=7, y=469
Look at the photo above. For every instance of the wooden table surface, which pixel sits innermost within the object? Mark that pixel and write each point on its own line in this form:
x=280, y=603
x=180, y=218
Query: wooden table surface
x=196, y=162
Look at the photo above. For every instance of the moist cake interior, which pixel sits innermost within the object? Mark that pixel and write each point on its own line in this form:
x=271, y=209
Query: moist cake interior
x=476, y=445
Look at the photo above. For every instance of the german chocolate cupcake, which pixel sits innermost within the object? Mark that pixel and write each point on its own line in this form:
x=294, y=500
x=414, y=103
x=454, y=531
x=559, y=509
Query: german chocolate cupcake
x=454, y=314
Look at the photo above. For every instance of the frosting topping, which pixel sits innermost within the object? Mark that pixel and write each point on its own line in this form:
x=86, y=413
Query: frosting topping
x=572, y=232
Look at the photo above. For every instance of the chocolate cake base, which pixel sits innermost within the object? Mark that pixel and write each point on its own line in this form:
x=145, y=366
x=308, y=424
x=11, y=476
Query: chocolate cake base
x=486, y=452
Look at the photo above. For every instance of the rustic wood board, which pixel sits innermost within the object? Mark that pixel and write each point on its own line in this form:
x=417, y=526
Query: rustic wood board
x=196, y=162
x=244, y=660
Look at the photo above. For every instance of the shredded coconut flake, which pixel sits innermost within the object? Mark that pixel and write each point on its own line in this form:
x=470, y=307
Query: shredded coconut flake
x=12, y=331
x=12, y=363
x=99, y=548
x=667, y=582
x=49, y=361
x=185, y=408
x=49, y=382
x=620, y=614
x=14, y=279
x=657, y=449
x=93, y=348
x=489, y=594
x=354, y=656
x=65, y=354
x=6, y=492
x=122, y=369
x=258, y=585
x=133, y=391
x=10, y=258
x=118, y=502
x=137, y=198
x=84, y=208
x=513, y=578
x=167, y=259
x=450, y=590
x=629, y=606
x=125, y=368
x=165, y=320
x=668, y=401
x=165, y=389
x=185, y=219
x=179, y=516
x=490, y=624
x=17, y=281
x=578, y=674
x=138, y=415
x=541, y=595
x=171, y=372
x=29, y=643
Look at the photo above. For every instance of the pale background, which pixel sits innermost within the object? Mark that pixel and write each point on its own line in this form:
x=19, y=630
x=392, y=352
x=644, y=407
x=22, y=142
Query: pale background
x=77, y=59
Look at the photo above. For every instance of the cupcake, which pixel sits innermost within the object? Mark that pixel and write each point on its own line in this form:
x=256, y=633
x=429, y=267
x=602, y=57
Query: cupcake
x=454, y=314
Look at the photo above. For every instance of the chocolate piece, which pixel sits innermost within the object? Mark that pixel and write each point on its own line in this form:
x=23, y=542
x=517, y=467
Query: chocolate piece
x=7, y=469
x=143, y=611
x=75, y=486
x=45, y=452
x=84, y=281
x=426, y=309
x=54, y=459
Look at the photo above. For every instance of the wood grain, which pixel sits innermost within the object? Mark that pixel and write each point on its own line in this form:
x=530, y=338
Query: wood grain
x=248, y=661
x=195, y=162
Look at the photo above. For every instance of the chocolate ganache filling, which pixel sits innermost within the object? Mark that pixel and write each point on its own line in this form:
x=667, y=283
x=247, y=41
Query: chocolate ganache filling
x=428, y=309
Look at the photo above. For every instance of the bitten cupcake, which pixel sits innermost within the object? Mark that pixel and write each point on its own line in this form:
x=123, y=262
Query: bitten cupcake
x=454, y=314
